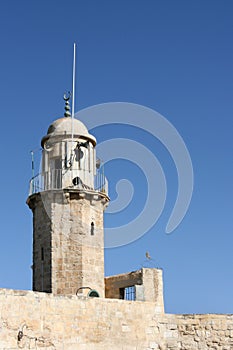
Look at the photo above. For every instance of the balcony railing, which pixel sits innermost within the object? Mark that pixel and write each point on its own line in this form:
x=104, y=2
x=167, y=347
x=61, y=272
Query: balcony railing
x=56, y=180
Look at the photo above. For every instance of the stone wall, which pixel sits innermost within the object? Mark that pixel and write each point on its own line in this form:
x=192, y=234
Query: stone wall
x=33, y=320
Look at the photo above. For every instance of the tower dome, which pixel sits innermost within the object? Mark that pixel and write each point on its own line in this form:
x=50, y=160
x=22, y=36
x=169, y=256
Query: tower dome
x=63, y=127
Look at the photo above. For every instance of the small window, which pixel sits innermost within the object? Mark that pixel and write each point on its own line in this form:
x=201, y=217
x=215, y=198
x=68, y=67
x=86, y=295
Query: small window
x=128, y=293
x=92, y=228
x=42, y=254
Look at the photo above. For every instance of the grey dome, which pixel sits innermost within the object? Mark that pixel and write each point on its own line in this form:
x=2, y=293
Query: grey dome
x=63, y=126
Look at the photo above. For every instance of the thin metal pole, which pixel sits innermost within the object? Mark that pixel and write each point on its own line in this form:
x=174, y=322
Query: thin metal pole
x=73, y=94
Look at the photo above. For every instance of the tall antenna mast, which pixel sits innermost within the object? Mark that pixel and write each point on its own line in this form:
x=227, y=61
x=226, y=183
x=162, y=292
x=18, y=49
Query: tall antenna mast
x=73, y=94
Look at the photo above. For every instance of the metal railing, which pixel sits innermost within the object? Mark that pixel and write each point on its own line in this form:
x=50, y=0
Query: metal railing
x=57, y=179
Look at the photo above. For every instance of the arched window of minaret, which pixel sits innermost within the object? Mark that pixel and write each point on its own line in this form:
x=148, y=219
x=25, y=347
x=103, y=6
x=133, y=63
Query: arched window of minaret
x=42, y=254
x=92, y=228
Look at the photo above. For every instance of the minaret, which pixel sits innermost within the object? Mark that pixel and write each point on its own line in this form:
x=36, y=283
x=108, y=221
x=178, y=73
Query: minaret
x=68, y=199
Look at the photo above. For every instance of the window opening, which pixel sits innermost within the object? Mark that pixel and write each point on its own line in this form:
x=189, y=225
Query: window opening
x=57, y=174
x=92, y=228
x=42, y=254
x=128, y=293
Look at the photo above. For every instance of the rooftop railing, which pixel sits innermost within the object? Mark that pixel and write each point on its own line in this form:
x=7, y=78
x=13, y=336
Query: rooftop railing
x=57, y=179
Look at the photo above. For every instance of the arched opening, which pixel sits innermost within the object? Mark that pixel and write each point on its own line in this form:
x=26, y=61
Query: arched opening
x=92, y=228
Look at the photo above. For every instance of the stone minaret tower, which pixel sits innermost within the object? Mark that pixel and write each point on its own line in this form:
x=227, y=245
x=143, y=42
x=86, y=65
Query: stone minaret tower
x=68, y=199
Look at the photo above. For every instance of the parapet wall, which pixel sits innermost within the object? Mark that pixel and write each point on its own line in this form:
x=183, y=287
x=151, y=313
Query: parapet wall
x=33, y=320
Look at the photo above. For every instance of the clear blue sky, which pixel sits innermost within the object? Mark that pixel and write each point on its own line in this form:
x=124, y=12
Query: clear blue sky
x=174, y=56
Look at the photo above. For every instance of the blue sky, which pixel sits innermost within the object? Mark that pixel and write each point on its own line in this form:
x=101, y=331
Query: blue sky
x=175, y=57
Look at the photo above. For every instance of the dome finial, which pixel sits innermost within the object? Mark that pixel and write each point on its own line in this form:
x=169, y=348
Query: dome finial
x=66, y=98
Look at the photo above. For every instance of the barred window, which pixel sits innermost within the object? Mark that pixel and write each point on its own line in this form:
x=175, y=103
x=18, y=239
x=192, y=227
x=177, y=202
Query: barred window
x=128, y=293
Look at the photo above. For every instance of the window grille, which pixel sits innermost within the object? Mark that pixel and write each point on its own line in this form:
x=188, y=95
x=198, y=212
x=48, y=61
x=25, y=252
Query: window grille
x=128, y=293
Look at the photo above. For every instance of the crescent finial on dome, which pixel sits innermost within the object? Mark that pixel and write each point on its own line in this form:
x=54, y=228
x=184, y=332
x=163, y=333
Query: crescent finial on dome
x=66, y=98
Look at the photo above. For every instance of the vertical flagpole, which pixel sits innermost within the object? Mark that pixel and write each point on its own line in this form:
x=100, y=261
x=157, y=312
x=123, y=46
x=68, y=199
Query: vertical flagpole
x=73, y=94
